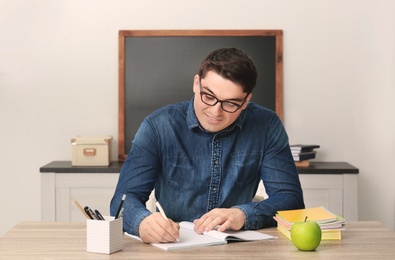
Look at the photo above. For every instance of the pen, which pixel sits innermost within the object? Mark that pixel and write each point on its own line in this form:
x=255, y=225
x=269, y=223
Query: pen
x=162, y=212
x=80, y=208
x=99, y=215
x=120, y=206
x=90, y=213
x=121, y=214
x=87, y=212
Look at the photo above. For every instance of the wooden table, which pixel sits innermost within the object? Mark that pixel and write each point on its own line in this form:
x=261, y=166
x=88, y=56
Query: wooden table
x=61, y=240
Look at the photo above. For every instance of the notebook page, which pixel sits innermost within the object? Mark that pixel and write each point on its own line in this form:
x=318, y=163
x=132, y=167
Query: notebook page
x=188, y=239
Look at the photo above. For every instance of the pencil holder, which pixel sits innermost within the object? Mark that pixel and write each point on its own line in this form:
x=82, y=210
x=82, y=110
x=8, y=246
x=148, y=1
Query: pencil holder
x=104, y=236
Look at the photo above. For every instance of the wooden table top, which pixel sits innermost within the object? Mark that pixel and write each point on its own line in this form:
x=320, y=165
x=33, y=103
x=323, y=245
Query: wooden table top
x=61, y=240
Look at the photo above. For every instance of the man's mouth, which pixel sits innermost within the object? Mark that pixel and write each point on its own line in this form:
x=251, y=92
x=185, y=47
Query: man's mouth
x=212, y=118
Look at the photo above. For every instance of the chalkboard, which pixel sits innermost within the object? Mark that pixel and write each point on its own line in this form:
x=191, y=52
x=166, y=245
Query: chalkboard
x=156, y=68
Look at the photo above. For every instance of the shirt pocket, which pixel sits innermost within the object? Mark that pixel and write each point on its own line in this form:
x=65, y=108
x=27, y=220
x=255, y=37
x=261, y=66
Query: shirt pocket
x=245, y=168
x=180, y=173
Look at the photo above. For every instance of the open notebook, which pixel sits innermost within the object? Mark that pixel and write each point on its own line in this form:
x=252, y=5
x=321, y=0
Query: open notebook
x=189, y=238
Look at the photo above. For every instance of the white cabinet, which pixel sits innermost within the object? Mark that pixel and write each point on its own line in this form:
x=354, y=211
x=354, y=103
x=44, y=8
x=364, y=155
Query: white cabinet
x=336, y=192
x=93, y=189
x=333, y=185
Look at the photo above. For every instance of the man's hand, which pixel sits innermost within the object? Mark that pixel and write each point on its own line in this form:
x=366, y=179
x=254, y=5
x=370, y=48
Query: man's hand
x=232, y=218
x=156, y=229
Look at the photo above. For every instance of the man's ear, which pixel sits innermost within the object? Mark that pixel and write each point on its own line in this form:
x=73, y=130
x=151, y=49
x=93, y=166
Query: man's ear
x=246, y=102
x=196, y=84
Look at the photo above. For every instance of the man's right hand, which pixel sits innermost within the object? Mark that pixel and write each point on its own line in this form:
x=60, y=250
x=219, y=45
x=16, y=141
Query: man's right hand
x=156, y=229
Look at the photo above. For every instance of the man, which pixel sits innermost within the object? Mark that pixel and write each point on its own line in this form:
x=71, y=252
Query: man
x=206, y=157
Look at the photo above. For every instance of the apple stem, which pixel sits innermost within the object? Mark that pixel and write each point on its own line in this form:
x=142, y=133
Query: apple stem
x=305, y=219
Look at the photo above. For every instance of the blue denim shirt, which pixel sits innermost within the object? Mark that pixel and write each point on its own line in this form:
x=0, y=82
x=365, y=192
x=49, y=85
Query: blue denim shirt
x=194, y=171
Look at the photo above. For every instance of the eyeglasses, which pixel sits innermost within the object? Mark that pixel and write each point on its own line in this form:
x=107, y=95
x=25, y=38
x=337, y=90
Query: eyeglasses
x=226, y=105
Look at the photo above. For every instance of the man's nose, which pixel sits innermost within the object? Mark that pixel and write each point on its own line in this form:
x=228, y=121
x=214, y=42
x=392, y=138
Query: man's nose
x=217, y=108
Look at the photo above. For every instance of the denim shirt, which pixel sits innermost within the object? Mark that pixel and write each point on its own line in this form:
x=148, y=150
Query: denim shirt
x=194, y=171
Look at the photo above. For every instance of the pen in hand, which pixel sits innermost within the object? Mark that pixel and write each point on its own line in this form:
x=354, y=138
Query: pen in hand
x=162, y=212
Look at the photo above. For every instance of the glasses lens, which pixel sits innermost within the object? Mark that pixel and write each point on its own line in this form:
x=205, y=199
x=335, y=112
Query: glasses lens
x=208, y=99
x=229, y=107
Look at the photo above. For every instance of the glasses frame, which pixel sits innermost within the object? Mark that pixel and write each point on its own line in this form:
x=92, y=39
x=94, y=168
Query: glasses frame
x=222, y=102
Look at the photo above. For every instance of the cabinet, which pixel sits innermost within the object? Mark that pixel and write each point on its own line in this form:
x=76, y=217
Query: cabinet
x=330, y=184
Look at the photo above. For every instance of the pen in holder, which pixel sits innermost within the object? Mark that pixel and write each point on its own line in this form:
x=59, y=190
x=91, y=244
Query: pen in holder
x=104, y=236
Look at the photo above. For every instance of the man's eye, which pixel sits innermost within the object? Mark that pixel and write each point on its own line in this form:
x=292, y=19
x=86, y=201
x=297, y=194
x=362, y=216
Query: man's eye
x=229, y=104
x=208, y=97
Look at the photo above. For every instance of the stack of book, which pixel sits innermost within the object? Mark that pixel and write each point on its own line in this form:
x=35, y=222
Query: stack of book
x=302, y=153
x=331, y=224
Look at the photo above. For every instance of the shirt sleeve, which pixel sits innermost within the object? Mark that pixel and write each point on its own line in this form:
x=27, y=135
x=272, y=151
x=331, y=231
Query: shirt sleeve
x=137, y=179
x=280, y=179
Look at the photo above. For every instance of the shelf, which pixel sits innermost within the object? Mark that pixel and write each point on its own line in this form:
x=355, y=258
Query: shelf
x=115, y=167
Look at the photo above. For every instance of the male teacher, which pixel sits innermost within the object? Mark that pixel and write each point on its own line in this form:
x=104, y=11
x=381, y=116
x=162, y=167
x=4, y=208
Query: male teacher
x=205, y=158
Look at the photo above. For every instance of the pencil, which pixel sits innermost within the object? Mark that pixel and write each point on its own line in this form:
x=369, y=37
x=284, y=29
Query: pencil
x=162, y=212
x=80, y=208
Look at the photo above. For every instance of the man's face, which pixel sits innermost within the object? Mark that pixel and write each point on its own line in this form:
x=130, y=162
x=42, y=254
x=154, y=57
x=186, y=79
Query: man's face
x=214, y=118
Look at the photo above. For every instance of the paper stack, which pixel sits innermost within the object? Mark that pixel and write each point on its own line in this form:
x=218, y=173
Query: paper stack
x=331, y=224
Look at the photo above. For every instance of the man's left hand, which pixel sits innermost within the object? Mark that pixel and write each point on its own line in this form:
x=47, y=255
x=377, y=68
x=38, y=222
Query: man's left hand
x=232, y=218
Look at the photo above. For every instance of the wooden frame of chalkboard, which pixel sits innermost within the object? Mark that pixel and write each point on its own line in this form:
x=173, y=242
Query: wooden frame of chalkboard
x=156, y=67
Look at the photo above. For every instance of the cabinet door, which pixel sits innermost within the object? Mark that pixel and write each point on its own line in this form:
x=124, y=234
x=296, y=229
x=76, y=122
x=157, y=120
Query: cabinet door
x=93, y=190
x=323, y=190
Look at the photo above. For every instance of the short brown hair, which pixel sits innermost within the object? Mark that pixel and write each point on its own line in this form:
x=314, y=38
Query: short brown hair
x=232, y=64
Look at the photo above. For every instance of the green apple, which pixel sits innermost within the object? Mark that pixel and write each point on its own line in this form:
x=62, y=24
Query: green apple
x=306, y=236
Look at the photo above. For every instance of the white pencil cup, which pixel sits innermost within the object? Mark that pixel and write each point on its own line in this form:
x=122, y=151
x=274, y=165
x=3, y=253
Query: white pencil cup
x=104, y=236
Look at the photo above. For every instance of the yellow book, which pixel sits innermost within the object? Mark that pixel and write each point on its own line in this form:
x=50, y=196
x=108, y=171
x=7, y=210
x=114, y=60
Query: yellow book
x=318, y=214
x=327, y=234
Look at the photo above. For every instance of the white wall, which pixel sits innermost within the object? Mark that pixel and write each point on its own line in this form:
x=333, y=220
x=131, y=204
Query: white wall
x=58, y=79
